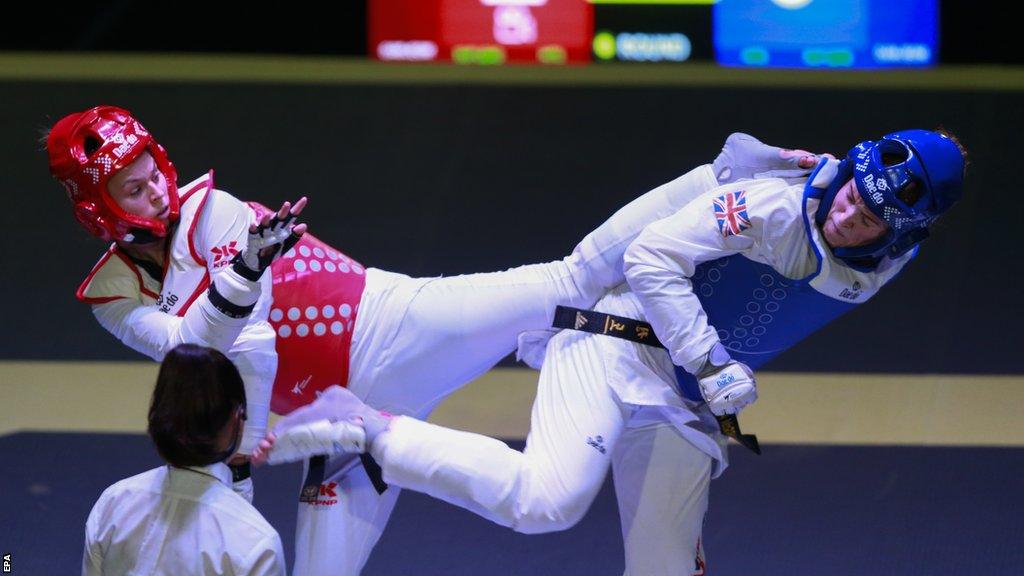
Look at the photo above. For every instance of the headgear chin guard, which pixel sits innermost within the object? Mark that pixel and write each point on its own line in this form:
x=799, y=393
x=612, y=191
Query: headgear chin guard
x=118, y=139
x=930, y=160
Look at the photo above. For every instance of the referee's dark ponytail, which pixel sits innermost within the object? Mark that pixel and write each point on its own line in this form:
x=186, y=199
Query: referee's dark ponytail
x=197, y=393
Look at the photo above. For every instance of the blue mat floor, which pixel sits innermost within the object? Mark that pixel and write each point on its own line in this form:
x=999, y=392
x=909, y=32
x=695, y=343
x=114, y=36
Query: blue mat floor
x=836, y=510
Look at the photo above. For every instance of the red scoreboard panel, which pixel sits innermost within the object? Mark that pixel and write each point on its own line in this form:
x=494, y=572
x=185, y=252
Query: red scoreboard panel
x=481, y=31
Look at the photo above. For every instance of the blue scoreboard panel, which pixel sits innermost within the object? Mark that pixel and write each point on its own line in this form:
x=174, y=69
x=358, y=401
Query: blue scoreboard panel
x=826, y=33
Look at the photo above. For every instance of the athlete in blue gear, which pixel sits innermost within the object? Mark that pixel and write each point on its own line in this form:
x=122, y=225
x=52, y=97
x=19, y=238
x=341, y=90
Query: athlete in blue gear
x=734, y=277
x=823, y=248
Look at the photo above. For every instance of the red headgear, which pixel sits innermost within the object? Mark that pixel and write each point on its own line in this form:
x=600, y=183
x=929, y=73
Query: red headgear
x=118, y=139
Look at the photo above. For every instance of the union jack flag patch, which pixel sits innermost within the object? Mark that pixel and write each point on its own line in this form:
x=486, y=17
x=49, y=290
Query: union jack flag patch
x=731, y=213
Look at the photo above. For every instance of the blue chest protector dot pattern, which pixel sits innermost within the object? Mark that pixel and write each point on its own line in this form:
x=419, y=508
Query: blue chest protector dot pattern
x=758, y=312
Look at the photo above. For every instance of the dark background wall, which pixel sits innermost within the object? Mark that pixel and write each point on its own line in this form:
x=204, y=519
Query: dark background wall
x=430, y=180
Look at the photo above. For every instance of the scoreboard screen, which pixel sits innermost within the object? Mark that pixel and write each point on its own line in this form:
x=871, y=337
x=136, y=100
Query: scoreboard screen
x=481, y=31
x=762, y=33
x=826, y=33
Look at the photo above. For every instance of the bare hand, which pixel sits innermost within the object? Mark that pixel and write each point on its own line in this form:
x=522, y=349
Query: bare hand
x=260, y=454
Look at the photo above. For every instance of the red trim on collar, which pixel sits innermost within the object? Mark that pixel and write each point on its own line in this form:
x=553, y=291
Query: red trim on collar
x=208, y=181
x=138, y=275
x=113, y=250
x=199, y=184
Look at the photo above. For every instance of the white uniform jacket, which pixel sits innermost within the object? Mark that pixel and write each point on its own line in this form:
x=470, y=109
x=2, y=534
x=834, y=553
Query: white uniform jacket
x=768, y=221
x=179, y=521
x=153, y=315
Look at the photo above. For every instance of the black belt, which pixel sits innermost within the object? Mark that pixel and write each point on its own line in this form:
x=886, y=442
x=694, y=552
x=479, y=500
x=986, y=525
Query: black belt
x=374, y=472
x=241, y=471
x=317, y=471
x=641, y=332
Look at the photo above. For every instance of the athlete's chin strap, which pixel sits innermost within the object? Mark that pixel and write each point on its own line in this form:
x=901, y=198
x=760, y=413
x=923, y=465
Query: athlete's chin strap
x=142, y=236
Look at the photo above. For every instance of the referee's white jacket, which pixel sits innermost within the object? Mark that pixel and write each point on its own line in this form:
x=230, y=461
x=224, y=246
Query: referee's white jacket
x=178, y=521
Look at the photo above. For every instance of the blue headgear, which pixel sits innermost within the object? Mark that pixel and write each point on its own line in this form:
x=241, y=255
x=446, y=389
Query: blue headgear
x=930, y=159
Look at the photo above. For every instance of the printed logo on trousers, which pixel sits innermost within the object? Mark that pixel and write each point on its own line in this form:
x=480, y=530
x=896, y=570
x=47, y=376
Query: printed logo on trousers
x=323, y=495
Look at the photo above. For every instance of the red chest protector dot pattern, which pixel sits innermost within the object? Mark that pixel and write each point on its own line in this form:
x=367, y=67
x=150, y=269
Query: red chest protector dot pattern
x=316, y=298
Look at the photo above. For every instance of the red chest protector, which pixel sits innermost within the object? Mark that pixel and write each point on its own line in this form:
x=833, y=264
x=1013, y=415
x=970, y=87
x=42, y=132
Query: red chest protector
x=316, y=298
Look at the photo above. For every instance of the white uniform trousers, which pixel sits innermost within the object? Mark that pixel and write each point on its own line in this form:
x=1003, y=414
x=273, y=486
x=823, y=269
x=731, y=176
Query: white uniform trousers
x=579, y=428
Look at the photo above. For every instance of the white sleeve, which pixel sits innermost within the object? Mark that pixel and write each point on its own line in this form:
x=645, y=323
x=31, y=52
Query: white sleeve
x=154, y=333
x=256, y=358
x=659, y=264
x=92, y=555
x=223, y=225
x=267, y=559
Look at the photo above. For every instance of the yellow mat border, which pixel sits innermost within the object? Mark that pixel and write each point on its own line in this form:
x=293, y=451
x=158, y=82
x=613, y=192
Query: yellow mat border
x=872, y=409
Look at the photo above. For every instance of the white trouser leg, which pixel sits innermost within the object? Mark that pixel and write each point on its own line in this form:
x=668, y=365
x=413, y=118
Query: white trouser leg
x=335, y=535
x=661, y=483
x=456, y=328
x=256, y=360
x=576, y=421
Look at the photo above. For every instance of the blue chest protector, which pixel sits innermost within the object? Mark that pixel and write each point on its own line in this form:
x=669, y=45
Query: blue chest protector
x=758, y=312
